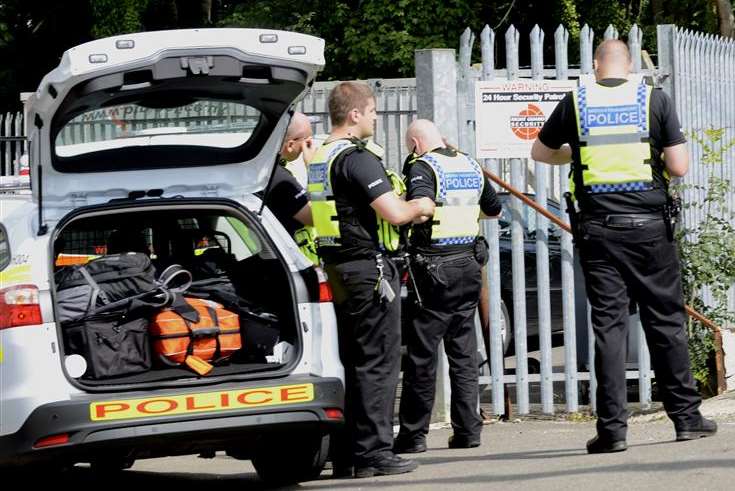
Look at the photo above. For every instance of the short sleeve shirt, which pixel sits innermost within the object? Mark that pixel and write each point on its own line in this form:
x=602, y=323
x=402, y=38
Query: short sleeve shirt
x=358, y=179
x=664, y=131
x=286, y=198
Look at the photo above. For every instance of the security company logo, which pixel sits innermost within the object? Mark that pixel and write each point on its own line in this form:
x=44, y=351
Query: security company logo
x=528, y=123
x=459, y=181
x=613, y=116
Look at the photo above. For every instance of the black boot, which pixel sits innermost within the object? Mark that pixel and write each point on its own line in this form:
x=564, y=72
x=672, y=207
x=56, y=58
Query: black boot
x=409, y=445
x=705, y=427
x=463, y=442
x=603, y=445
x=384, y=465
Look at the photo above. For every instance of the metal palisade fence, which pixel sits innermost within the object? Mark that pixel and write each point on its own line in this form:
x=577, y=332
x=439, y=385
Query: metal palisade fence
x=701, y=80
x=543, y=182
x=12, y=143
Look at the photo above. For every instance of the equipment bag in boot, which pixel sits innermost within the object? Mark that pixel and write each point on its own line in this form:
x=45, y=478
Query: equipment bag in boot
x=195, y=327
x=83, y=289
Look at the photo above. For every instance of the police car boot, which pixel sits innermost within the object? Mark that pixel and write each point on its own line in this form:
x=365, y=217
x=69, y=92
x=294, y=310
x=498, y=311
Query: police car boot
x=603, y=445
x=705, y=428
x=384, y=465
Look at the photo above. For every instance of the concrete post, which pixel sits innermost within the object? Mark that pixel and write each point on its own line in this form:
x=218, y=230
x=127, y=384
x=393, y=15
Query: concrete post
x=436, y=99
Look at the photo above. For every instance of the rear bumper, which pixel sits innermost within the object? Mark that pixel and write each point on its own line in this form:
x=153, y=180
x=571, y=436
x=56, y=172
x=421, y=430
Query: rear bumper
x=239, y=429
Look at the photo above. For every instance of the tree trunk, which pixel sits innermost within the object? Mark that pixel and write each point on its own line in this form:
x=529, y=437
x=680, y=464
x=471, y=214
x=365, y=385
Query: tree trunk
x=725, y=16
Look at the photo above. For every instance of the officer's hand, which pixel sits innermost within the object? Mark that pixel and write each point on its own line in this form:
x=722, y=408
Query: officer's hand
x=421, y=219
x=308, y=149
x=426, y=207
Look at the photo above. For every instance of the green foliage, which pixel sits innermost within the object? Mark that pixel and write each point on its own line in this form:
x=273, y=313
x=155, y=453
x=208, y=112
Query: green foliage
x=708, y=250
x=112, y=17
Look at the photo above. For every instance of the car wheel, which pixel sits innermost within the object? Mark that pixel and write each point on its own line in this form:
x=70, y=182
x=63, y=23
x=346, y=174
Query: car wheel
x=277, y=464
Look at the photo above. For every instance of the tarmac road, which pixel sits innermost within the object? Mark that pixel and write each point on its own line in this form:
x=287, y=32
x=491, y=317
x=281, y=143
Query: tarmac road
x=544, y=455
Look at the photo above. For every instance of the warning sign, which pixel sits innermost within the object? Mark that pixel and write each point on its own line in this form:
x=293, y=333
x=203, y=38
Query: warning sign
x=511, y=113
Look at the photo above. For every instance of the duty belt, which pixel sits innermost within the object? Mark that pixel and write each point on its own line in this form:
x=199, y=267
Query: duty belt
x=629, y=220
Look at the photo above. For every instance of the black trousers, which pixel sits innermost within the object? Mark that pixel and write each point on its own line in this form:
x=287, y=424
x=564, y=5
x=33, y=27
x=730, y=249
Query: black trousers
x=450, y=290
x=638, y=263
x=370, y=348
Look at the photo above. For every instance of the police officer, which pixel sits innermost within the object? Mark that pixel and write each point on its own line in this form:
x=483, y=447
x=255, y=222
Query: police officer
x=625, y=141
x=286, y=198
x=447, y=259
x=356, y=210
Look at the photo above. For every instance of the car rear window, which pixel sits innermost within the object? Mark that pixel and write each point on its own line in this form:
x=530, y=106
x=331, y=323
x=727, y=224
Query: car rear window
x=203, y=123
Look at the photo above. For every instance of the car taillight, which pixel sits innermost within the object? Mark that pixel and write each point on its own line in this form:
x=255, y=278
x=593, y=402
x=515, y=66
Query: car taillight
x=19, y=306
x=52, y=440
x=334, y=413
x=325, y=291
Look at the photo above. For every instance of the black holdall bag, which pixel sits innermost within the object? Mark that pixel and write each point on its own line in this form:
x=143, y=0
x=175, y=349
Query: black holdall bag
x=112, y=343
x=83, y=289
x=114, y=339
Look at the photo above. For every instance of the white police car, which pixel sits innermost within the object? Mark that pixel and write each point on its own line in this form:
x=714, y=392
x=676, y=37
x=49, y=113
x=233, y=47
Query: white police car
x=157, y=142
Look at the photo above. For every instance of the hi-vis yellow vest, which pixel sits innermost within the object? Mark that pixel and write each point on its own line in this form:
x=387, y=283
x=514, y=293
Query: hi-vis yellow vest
x=305, y=236
x=459, y=184
x=612, y=123
x=323, y=205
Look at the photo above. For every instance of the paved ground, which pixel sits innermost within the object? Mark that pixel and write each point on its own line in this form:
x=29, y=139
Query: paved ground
x=544, y=455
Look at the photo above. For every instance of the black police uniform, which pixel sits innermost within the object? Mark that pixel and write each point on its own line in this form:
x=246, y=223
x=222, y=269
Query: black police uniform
x=286, y=197
x=627, y=254
x=369, y=331
x=448, y=280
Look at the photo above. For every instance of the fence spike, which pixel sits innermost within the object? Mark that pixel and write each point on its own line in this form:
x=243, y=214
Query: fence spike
x=561, y=48
x=465, y=48
x=537, y=52
x=487, y=45
x=512, y=37
x=586, y=40
x=610, y=32
x=635, y=39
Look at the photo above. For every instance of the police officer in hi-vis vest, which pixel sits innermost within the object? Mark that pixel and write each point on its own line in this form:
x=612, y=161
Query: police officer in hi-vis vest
x=287, y=199
x=447, y=257
x=356, y=208
x=625, y=142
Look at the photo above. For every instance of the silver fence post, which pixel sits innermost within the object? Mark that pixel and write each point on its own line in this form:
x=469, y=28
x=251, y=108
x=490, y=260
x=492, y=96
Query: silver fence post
x=466, y=93
x=561, y=43
x=543, y=288
x=635, y=39
x=665, y=47
x=586, y=38
x=491, y=232
x=517, y=178
x=436, y=99
x=644, y=369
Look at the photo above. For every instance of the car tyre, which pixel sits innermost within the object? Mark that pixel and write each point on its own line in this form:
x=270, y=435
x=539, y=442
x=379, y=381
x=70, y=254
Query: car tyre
x=304, y=461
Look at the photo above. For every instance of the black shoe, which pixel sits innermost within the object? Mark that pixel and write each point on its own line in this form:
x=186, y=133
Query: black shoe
x=599, y=445
x=705, y=428
x=408, y=445
x=463, y=442
x=385, y=465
